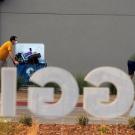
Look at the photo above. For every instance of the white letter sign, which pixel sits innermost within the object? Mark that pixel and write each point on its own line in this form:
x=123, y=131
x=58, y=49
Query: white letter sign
x=38, y=97
x=96, y=99
x=8, y=92
x=94, y=96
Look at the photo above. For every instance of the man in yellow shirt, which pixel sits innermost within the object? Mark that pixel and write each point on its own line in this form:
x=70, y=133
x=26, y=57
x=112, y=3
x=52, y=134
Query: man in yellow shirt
x=6, y=50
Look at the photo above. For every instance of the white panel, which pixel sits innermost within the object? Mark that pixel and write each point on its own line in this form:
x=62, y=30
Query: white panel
x=8, y=92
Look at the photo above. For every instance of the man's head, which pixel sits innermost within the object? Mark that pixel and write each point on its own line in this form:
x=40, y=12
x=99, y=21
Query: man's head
x=13, y=39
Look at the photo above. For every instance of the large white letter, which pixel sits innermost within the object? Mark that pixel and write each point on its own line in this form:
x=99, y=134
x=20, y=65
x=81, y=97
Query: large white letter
x=94, y=96
x=8, y=92
x=38, y=97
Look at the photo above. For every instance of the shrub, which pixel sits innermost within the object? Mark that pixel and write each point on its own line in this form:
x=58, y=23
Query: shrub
x=111, y=87
x=7, y=127
x=83, y=120
x=55, y=86
x=81, y=82
x=103, y=129
x=50, y=84
x=25, y=120
x=20, y=82
x=131, y=122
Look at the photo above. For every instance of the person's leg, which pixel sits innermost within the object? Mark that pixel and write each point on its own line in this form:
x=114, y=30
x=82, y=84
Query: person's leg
x=1, y=65
x=131, y=68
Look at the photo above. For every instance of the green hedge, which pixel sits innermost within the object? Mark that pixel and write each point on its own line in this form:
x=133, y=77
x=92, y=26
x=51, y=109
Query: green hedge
x=80, y=81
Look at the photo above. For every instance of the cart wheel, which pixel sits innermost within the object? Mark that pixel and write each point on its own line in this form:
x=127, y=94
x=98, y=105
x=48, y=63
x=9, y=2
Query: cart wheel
x=30, y=71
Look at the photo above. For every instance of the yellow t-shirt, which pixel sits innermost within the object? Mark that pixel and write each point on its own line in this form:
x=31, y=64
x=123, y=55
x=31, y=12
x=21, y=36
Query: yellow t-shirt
x=5, y=49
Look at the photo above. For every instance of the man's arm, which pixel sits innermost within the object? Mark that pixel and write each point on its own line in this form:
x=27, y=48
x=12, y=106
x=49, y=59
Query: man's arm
x=13, y=59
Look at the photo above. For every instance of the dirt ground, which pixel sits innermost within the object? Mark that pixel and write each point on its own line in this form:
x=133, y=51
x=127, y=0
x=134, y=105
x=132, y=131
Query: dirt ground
x=57, y=129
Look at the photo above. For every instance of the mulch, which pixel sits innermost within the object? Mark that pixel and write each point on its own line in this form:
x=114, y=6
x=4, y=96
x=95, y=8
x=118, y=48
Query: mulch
x=62, y=129
x=57, y=129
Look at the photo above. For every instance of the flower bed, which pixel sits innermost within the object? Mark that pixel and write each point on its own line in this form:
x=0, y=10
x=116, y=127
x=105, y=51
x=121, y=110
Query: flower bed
x=85, y=130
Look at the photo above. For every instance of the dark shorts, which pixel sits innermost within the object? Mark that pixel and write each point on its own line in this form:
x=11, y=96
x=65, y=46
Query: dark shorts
x=131, y=67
